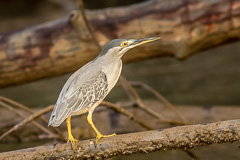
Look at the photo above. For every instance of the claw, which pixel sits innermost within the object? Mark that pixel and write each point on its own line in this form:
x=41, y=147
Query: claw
x=72, y=140
x=99, y=136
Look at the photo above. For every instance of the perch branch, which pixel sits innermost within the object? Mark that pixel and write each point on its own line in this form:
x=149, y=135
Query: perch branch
x=183, y=137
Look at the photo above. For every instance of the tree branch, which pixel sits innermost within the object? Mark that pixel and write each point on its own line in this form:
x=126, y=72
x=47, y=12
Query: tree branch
x=21, y=106
x=160, y=97
x=29, y=119
x=138, y=101
x=142, y=142
x=20, y=124
x=126, y=113
x=82, y=10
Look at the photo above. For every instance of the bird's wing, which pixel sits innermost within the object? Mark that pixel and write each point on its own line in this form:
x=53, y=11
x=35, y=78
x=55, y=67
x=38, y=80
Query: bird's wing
x=74, y=96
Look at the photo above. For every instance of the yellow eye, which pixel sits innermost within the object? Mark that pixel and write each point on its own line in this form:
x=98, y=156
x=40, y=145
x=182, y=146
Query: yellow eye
x=124, y=44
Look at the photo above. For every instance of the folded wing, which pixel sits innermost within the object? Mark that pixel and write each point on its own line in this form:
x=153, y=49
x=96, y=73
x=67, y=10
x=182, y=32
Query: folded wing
x=77, y=95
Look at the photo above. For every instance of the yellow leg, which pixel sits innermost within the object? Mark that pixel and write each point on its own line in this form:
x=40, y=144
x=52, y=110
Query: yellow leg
x=70, y=137
x=99, y=135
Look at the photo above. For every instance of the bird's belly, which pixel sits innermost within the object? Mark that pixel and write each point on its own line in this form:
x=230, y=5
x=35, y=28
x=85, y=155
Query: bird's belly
x=82, y=111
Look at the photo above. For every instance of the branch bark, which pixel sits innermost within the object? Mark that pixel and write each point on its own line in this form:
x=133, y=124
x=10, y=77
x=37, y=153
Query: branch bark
x=142, y=142
x=64, y=45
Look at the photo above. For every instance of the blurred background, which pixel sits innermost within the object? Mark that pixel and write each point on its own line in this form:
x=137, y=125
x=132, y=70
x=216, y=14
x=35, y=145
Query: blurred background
x=209, y=77
x=205, y=79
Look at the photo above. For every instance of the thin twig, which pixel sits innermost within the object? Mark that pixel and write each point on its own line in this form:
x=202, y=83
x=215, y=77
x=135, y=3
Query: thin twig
x=23, y=107
x=160, y=97
x=27, y=120
x=10, y=108
x=191, y=154
x=24, y=116
x=16, y=104
x=136, y=98
x=126, y=113
x=9, y=123
x=82, y=10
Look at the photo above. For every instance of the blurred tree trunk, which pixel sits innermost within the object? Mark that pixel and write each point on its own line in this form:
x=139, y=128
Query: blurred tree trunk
x=64, y=45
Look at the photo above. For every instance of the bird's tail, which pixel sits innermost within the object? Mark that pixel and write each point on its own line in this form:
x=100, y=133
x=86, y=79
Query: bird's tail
x=52, y=120
x=59, y=114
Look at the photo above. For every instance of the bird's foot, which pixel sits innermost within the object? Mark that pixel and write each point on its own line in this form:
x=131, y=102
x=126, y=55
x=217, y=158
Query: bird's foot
x=72, y=140
x=99, y=136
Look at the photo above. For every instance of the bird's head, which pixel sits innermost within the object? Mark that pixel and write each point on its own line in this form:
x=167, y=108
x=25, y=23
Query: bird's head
x=117, y=47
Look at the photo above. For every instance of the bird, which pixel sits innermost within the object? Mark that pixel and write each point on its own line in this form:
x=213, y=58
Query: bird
x=88, y=86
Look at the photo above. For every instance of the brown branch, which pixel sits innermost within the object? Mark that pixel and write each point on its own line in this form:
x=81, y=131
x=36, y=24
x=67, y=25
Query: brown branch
x=191, y=154
x=9, y=123
x=82, y=10
x=126, y=113
x=24, y=116
x=21, y=106
x=160, y=97
x=29, y=119
x=137, y=100
x=141, y=142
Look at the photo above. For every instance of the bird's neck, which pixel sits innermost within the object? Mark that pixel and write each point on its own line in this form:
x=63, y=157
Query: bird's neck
x=113, y=71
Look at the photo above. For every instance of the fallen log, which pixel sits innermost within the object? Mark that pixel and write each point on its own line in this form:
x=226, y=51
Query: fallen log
x=142, y=142
x=64, y=45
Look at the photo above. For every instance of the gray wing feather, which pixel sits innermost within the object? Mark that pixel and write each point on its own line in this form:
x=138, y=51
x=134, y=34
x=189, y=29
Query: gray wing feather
x=74, y=97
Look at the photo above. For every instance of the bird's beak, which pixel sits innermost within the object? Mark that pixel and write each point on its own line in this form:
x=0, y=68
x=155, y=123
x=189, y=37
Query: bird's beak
x=143, y=41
